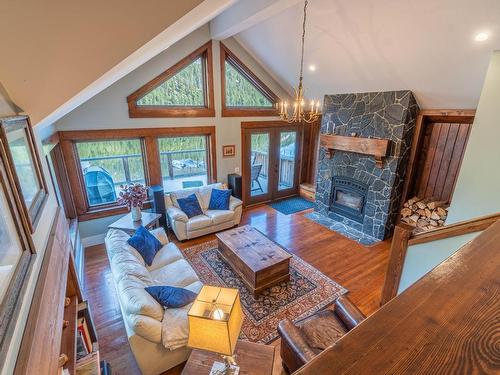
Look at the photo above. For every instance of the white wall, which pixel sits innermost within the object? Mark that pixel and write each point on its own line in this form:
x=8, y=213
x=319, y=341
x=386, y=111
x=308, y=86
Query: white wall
x=109, y=110
x=40, y=239
x=422, y=258
x=478, y=185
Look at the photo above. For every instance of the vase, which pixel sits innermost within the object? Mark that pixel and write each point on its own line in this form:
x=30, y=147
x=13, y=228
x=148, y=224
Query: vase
x=136, y=213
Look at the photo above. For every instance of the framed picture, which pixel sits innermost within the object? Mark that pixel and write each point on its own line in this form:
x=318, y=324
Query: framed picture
x=20, y=149
x=228, y=151
x=16, y=251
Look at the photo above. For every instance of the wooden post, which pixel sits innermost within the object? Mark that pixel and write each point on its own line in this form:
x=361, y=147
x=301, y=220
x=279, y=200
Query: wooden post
x=397, y=255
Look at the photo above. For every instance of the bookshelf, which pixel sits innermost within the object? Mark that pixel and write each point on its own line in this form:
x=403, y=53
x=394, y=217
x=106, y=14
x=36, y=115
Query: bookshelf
x=51, y=338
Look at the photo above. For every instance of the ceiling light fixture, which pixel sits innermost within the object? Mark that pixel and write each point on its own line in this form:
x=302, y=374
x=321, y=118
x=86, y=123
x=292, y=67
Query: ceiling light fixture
x=481, y=37
x=312, y=68
x=299, y=113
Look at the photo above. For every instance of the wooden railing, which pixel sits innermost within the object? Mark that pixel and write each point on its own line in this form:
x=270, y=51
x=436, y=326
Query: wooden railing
x=126, y=168
x=403, y=237
x=286, y=166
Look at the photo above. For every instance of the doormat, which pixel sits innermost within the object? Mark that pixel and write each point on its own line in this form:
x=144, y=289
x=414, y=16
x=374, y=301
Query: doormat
x=292, y=205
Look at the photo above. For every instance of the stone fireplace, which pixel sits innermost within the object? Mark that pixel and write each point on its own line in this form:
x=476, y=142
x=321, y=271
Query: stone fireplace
x=356, y=194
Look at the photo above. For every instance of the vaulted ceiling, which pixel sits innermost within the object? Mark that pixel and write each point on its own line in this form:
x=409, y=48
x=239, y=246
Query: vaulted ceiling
x=52, y=51
x=427, y=46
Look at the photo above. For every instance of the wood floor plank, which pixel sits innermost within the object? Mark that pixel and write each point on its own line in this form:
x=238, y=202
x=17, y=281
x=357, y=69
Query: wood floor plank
x=358, y=268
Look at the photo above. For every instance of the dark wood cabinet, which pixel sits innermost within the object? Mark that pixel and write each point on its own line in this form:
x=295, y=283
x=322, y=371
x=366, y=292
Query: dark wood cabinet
x=234, y=183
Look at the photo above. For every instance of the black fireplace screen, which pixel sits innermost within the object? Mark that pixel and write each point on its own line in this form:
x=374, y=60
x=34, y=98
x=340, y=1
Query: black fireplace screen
x=348, y=198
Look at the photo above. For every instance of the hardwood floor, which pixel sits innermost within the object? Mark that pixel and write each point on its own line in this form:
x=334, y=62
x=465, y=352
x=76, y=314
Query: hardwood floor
x=358, y=268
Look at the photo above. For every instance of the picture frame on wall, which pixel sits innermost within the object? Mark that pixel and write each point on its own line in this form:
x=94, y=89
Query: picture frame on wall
x=16, y=251
x=228, y=151
x=22, y=155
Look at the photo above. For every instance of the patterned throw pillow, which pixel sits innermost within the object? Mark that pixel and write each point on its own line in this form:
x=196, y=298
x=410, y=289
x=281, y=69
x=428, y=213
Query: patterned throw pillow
x=219, y=199
x=145, y=243
x=190, y=206
x=171, y=296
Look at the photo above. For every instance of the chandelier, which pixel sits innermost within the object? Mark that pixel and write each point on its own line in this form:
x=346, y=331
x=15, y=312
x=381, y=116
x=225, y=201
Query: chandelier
x=301, y=111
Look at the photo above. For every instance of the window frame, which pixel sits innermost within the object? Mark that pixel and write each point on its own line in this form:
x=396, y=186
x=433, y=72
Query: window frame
x=208, y=110
x=103, y=206
x=150, y=156
x=7, y=125
x=228, y=111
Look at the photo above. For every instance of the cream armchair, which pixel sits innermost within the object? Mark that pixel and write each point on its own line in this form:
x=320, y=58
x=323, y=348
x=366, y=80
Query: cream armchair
x=211, y=220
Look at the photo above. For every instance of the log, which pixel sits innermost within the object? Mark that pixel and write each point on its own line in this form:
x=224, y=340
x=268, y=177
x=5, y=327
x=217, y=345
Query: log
x=435, y=216
x=441, y=212
x=414, y=217
x=406, y=212
x=421, y=205
x=427, y=212
x=433, y=223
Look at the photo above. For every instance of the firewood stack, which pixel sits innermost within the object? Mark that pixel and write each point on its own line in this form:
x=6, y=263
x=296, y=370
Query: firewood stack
x=424, y=214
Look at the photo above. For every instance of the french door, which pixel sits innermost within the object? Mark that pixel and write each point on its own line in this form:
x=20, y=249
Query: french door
x=271, y=162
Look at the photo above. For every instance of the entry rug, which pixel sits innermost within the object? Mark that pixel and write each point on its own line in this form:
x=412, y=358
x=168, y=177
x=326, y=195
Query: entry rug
x=307, y=292
x=292, y=205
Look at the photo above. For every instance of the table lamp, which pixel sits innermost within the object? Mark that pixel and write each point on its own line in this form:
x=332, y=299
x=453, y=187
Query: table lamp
x=215, y=320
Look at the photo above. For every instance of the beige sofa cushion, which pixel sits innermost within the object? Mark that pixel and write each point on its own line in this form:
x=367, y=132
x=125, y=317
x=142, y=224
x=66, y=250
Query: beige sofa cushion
x=220, y=216
x=135, y=299
x=178, y=273
x=167, y=254
x=198, y=222
x=202, y=193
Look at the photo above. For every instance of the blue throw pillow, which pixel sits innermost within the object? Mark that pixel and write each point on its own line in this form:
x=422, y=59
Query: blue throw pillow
x=170, y=296
x=190, y=206
x=219, y=199
x=145, y=243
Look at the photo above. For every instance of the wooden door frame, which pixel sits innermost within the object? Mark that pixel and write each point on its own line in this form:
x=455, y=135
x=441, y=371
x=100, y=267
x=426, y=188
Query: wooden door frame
x=246, y=128
x=423, y=118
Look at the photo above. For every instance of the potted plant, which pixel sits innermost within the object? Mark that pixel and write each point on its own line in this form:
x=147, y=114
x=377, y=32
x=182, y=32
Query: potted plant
x=133, y=196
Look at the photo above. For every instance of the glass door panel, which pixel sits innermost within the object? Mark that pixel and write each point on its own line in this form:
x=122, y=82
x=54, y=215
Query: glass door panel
x=259, y=164
x=286, y=160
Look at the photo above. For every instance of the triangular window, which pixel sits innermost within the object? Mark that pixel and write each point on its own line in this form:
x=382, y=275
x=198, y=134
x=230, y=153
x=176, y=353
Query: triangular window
x=184, y=90
x=243, y=94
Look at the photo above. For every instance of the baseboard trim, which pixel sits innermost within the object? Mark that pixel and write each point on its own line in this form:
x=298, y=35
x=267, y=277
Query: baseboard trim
x=97, y=239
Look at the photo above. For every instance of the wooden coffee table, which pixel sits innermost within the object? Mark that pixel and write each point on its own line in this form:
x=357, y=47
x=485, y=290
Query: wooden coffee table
x=260, y=262
x=252, y=358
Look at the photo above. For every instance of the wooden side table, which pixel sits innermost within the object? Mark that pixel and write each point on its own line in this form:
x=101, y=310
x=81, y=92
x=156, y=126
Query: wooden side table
x=149, y=221
x=252, y=358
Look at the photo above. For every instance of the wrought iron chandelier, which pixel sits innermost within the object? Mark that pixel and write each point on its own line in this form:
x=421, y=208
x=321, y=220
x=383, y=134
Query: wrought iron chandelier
x=300, y=111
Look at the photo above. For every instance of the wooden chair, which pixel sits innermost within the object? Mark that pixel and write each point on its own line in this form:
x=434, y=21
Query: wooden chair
x=254, y=176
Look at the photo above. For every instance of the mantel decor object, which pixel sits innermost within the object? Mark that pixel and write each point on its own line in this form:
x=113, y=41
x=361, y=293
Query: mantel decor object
x=133, y=196
x=215, y=320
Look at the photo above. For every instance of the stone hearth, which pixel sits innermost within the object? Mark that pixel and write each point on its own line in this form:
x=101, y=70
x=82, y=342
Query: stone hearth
x=387, y=115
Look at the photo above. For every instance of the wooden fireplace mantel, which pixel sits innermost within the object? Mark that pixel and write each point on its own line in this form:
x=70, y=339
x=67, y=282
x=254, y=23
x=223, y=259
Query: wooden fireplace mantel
x=378, y=148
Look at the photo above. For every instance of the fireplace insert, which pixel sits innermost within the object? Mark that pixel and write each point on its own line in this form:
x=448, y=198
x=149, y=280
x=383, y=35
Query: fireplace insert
x=348, y=198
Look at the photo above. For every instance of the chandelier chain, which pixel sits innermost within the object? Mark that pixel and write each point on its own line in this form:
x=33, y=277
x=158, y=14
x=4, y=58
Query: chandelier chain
x=303, y=42
x=299, y=112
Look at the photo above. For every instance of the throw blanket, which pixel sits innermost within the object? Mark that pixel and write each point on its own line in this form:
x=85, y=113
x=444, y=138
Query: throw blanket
x=175, y=327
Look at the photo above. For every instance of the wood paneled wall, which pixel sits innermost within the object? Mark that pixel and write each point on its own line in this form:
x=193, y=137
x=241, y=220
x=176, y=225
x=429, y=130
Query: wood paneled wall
x=439, y=159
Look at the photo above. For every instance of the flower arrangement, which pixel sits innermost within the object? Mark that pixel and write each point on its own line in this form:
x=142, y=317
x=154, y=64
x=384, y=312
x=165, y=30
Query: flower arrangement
x=133, y=195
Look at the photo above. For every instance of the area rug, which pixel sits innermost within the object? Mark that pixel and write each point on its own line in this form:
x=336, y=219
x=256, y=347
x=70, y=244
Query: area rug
x=292, y=205
x=307, y=292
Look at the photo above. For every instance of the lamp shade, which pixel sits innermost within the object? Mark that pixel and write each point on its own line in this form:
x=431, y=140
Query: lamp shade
x=215, y=320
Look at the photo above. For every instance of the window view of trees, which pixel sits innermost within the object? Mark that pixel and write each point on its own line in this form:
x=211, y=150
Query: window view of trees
x=184, y=89
x=240, y=92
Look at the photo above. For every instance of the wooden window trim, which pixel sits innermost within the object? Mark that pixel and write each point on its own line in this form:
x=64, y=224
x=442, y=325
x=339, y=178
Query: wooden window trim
x=33, y=213
x=208, y=110
x=226, y=54
x=151, y=159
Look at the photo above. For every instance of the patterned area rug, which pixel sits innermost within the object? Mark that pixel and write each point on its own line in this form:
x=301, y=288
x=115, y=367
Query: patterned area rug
x=292, y=205
x=307, y=292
